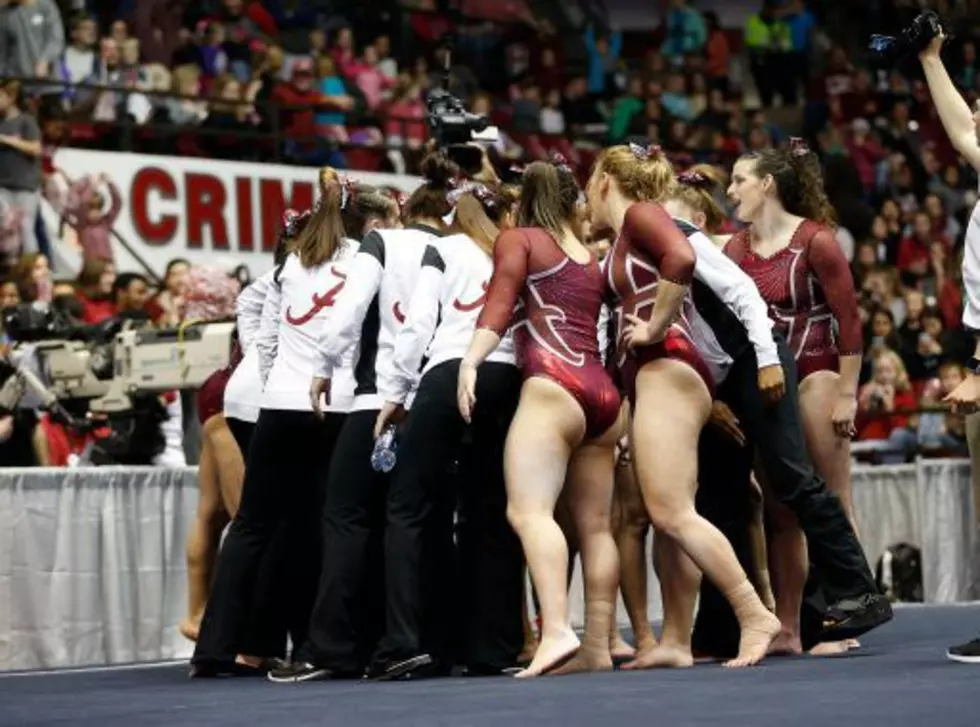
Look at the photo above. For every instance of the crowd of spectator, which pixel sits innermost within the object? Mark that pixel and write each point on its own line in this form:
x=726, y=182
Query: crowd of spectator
x=311, y=85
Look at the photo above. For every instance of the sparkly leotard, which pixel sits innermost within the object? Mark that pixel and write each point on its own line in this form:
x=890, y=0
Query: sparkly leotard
x=807, y=285
x=650, y=248
x=555, y=324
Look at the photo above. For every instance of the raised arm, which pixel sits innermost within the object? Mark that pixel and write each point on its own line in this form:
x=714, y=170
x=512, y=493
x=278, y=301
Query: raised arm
x=834, y=274
x=417, y=331
x=648, y=228
x=739, y=293
x=344, y=324
x=248, y=309
x=954, y=112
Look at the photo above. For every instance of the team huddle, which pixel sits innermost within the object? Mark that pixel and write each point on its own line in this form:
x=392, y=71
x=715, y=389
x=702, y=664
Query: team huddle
x=540, y=362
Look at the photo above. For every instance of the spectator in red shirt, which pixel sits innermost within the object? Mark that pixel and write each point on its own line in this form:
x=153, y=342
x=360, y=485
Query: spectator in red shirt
x=913, y=251
x=884, y=401
x=298, y=100
x=95, y=283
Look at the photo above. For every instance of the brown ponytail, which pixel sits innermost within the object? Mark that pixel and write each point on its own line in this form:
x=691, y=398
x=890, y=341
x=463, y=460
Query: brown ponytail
x=799, y=181
x=814, y=203
x=323, y=232
x=479, y=213
x=548, y=197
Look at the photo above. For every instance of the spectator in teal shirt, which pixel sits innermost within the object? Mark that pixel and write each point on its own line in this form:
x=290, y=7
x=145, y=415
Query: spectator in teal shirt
x=686, y=31
x=331, y=86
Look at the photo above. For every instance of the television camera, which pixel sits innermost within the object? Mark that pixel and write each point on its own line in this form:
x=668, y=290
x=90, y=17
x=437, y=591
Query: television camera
x=88, y=377
x=913, y=39
x=449, y=120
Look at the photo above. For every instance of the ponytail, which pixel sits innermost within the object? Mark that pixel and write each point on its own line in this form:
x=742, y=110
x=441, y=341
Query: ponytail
x=548, y=197
x=324, y=230
x=814, y=203
x=799, y=180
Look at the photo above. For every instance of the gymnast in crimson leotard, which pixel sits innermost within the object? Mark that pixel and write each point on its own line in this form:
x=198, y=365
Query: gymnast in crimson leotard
x=670, y=361
x=558, y=302
x=808, y=286
x=789, y=249
x=565, y=430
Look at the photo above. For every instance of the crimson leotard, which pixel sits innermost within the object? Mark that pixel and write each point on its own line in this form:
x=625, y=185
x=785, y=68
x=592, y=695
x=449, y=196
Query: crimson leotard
x=807, y=285
x=555, y=325
x=651, y=248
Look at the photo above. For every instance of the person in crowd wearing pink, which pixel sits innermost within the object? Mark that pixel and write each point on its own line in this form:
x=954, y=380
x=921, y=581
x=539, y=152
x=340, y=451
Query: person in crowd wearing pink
x=86, y=212
x=790, y=251
x=11, y=219
x=568, y=419
x=670, y=361
x=370, y=78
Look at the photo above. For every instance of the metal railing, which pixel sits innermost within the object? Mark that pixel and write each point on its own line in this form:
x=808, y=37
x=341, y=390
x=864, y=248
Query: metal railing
x=51, y=100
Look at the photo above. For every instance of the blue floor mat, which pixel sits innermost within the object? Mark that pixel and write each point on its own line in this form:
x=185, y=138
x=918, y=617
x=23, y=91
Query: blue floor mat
x=900, y=678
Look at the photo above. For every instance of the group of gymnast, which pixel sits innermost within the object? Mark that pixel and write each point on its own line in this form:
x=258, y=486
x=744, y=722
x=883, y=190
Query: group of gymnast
x=564, y=368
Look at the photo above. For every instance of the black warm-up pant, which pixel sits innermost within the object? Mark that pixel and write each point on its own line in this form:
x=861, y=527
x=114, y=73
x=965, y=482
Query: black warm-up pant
x=348, y=615
x=242, y=431
x=457, y=602
x=283, y=492
x=777, y=433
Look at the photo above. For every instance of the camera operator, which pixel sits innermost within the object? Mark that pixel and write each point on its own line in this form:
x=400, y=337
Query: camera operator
x=962, y=127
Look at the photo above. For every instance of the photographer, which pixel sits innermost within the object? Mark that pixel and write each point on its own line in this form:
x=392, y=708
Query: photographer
x=962, y=127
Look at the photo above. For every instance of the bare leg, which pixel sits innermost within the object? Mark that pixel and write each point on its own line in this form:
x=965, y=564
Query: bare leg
x=530, y=636
x=680, y=580
x=673, y=405
x=757, y=540
x=203, y=539
x=788, y=565
x=590, y=497
x=229, y=462
x=631, y=538
x=548, y=425
x=831, y=457
x=618, y=646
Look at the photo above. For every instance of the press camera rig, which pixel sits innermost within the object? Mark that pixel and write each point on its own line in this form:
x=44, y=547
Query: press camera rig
x=105, y=367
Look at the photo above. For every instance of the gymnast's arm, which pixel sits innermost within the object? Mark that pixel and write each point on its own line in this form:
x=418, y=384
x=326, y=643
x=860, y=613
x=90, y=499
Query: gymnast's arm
x=511, y=253
x=834, y=275
x=347, y=316
x=648, y=227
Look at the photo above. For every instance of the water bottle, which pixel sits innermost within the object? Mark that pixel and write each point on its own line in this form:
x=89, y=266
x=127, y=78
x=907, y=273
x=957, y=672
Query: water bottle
x=383, y=457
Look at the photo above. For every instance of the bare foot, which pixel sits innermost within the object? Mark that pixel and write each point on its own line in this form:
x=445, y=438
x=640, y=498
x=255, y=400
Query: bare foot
x=786, y=643
x=853, y=644
x=757, y=636
x=662, y=656
x=551, y=653
x=586, y=660
x=188, y=629
x=829, y=648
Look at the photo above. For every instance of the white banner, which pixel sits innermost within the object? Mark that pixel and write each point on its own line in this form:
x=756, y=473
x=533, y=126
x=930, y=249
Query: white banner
x=215, y=212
